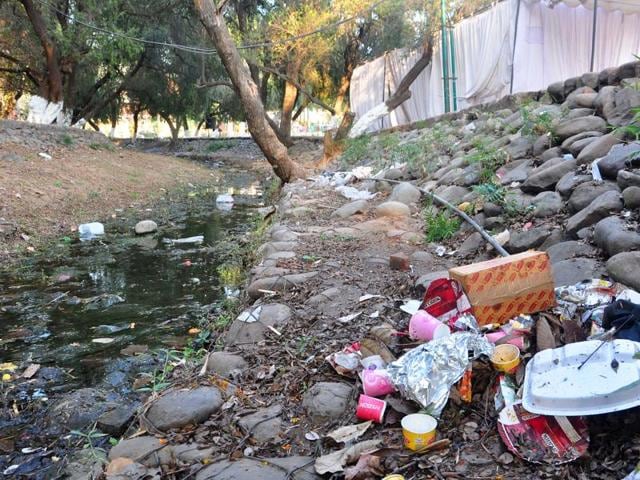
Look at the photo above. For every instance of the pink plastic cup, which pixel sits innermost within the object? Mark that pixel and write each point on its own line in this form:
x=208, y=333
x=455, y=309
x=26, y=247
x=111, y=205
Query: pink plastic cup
x=425, y=327
x=376, y=383
x=517, y=341
x=370, y=408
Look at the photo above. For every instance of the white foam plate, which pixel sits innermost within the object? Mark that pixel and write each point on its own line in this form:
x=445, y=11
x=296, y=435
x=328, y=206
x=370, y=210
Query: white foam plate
x=554, y=385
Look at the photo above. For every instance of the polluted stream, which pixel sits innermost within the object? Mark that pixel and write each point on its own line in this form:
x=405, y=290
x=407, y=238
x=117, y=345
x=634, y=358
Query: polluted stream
x=109, y=312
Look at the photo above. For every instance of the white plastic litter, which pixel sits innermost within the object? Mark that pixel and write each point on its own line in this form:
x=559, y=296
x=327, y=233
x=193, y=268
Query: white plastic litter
x=224, y=198
x=42, y=110
x=195, y=239
x=608, y=382
x=250, y=316
x=353, y=193
x=595, y=171
x=88, y=231
x=46, y=156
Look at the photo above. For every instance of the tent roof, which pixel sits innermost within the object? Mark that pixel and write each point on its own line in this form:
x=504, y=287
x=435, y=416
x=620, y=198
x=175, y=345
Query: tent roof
x=627, y=6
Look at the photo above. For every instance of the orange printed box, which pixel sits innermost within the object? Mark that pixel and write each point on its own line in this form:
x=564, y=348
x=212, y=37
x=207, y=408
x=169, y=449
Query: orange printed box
x=505, y=287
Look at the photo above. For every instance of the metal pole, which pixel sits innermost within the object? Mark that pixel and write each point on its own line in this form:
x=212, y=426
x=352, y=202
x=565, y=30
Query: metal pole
x=445, y=60
x=593, y=34
x=454, y=89
x=513, y=52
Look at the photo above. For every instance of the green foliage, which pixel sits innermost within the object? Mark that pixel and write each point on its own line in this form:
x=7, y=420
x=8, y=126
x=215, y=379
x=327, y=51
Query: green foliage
x=536, y=125
x=489, y=158
x=230, y=275
x=491, y=192
x=356, y=150
x=216, y=145
x=102, y=146
x=633, y=129
x=439, y=224
x=66, y=140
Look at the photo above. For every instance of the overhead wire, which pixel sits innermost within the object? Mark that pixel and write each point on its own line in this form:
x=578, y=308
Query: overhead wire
x=212, y=51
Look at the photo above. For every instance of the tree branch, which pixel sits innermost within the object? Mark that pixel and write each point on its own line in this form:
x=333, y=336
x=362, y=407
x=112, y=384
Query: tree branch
x=219, y=83
x=302, y=90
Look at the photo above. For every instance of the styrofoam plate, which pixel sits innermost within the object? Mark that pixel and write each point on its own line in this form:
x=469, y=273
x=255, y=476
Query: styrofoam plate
x=554, y=385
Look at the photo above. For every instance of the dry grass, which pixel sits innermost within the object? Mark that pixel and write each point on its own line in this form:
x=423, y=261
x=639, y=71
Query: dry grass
x=48, y=198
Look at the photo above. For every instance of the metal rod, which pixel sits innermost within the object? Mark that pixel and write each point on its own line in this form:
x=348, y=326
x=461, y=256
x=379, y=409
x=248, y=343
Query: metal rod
x=513, y=52
x=593, y=34
x=454, y=89
x=492, y=241
x=445, y=60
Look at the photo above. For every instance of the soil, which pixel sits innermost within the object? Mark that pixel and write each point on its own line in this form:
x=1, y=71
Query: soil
x=86, y=178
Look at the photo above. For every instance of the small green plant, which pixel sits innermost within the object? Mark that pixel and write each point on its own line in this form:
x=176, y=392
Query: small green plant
x=409, y=153
x=93, y=194
x=439, y=225
x=102, y=146
x=66, y=139
x=633, y=129
x=491, y=192
x=216, y=145
x=57, y=184
x=536, y=125
x=489, y=158
x=356, y=149
x=230, y=275
x=90, y=438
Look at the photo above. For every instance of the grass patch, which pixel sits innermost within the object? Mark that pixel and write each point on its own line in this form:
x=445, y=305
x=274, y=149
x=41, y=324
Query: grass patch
x=491, y=192
x=439, y=224
x=633, y=129
x=216, y=145
x=537, y=125
x=355, y=150
x=102, y=146
x=66, y=140
x=489, y=158
x=230, y=274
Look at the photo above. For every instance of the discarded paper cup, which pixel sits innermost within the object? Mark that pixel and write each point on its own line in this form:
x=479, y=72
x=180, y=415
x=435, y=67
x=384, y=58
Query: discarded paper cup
x=425, y=327
x=376, y=383
x=418, y=430
x=506, y=358
x=518, y=341
x=370, y=408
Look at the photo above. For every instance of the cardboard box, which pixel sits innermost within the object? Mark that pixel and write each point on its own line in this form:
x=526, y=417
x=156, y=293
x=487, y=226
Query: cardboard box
x=503, y=288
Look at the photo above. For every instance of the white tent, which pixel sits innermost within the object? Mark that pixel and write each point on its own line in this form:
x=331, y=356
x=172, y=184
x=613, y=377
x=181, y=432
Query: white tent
x=516, y=46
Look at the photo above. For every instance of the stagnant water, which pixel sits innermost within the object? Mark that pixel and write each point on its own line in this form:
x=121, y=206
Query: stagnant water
x=125, y=288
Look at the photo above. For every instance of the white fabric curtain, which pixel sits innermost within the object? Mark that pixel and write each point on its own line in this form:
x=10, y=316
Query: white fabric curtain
x=553, y=43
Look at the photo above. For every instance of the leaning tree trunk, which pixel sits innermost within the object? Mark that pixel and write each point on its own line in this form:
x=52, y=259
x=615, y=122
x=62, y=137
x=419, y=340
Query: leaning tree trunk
x=401, y=95
x=275, y=152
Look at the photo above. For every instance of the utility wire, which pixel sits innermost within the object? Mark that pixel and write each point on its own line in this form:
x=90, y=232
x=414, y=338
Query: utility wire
x=212, y=51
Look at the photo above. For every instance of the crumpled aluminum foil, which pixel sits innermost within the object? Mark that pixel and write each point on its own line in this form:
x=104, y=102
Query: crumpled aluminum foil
x=426, y=373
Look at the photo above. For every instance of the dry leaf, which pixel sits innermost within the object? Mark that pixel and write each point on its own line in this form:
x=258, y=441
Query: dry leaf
x=336, y=461
x=350, y=432
x=544, y=335
x=31, y=370
x=369, y=467
x=117, y=465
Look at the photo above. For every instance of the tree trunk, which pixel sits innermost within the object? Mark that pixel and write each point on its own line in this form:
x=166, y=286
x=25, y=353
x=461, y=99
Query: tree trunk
x=52, y=91
x=114, y=122
x=264, y=87
x=289, y=100
x=200, y=123
x=174, y=127
x=136, y=115
x=303, y=104
x=401, y=95
x=275, y=152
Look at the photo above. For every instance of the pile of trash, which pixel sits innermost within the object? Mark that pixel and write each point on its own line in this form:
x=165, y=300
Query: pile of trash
x=583, y=362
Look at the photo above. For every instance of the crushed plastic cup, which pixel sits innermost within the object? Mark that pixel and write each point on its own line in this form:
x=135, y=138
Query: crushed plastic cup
x=376, y=383
x=418, y=430
x=423, y=326
x=373, y=362
x=506, y=358
x=370, y=408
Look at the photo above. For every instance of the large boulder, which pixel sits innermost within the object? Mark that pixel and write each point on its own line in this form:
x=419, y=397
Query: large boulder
x=597, y=149
x=183, y=407
x=405, y=193
x=626, y=100
x=587, y=192
x=570, y=249
x=631, y=197
x=568, y=128
x=575, y=270
x=546, y=179
x=517, y=171
x=612, y=235
x=605, y=101
x=522, y=241
x=80, y=408
x=145, y=226
x=569, y=182
x=598, y=209
x=624, y=268
x=520, y=147
x=392, y=209
x=453, y=194
x=617, y=159
x=566, y=145
x=277, y=468
x=547, y=204
x=327, y=400
x=357, y=206
x=251, y=325
x=628, y=179
x=226, y=364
